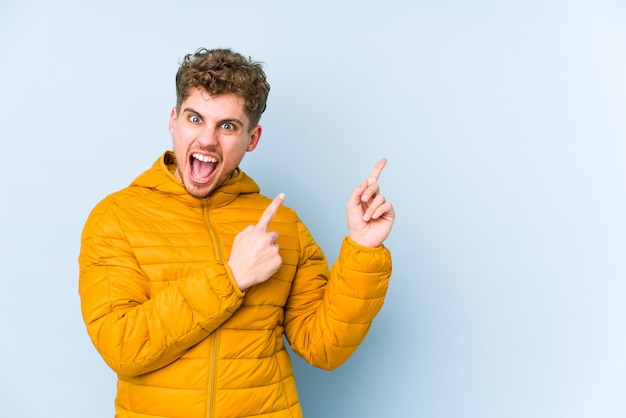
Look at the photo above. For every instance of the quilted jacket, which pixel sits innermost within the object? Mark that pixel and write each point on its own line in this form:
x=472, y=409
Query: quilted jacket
x=162, y=308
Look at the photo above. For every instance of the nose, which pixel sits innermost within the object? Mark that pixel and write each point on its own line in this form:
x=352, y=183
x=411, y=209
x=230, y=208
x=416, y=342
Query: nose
x=207, y=136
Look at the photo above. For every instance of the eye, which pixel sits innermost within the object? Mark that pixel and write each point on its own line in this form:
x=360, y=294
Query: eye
x=228, y=126
x=195, y=119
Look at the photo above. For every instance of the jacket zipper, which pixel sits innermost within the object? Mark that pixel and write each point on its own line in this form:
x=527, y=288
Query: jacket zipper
x=210, y=401
x=210, y=410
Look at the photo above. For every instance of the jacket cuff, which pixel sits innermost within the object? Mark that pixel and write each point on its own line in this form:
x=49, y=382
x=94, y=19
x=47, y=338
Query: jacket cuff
x=367, y=258
x=347, y=241
x=236, y=289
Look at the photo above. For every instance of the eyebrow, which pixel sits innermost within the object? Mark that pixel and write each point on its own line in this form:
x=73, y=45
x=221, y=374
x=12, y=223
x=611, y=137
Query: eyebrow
x=190, y=110
x=237, y=121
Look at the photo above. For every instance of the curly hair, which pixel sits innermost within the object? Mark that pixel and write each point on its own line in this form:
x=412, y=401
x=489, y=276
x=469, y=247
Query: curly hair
x=221, y=71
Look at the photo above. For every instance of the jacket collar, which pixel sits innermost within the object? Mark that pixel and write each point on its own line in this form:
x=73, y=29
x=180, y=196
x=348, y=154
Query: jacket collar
x=160, y=177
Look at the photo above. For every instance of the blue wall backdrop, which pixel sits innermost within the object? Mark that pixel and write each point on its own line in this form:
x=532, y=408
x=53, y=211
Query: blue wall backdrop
x=504, y=123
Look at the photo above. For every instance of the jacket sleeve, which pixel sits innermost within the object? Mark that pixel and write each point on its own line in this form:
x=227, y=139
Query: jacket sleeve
x=329, y=313
x=135, y=331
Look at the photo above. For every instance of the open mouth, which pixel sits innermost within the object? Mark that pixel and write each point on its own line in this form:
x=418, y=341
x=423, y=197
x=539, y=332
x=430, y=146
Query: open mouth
x=202, y=167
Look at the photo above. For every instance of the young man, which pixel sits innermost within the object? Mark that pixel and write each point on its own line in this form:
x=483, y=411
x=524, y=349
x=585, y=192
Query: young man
x=189, y=277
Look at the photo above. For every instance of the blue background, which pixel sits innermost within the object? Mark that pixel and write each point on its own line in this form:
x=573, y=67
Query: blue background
x=504, y=126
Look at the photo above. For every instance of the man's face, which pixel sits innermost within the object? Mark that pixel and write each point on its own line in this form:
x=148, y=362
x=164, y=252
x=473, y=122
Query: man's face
x=211, y=134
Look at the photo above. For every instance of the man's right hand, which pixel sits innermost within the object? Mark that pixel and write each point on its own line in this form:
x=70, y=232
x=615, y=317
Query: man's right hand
x=254, y=256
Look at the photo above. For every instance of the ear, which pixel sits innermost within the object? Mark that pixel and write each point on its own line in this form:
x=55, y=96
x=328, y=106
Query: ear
x=255, y=136
x=173, y=118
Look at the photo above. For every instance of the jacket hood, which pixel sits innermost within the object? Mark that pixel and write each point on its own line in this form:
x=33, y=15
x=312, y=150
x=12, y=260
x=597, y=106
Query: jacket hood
x=160, y=177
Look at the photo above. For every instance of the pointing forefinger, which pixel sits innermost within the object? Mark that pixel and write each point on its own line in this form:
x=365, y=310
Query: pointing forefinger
x=270, y=211
x=375, y=173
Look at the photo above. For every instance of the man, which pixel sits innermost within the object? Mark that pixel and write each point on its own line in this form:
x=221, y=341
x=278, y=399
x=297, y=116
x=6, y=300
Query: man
x=189, y=277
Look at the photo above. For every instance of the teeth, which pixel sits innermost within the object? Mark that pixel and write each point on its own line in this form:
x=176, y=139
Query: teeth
x=204, y=158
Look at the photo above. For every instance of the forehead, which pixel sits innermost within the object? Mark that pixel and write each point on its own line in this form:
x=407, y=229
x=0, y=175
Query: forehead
x=202, y=97
x=206, y=104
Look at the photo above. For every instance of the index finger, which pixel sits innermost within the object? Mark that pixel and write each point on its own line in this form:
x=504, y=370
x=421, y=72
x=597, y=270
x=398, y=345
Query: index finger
x=375, y=173
x=270, y=211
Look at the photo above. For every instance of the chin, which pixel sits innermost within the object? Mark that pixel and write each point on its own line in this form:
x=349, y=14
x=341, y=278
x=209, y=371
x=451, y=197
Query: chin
x=198, y=192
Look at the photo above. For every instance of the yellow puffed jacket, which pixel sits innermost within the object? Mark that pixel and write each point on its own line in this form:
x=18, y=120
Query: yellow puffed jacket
x=163, y=310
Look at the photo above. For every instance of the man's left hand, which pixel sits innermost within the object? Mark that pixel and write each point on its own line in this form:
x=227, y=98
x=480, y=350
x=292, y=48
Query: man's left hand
x=370, y=216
